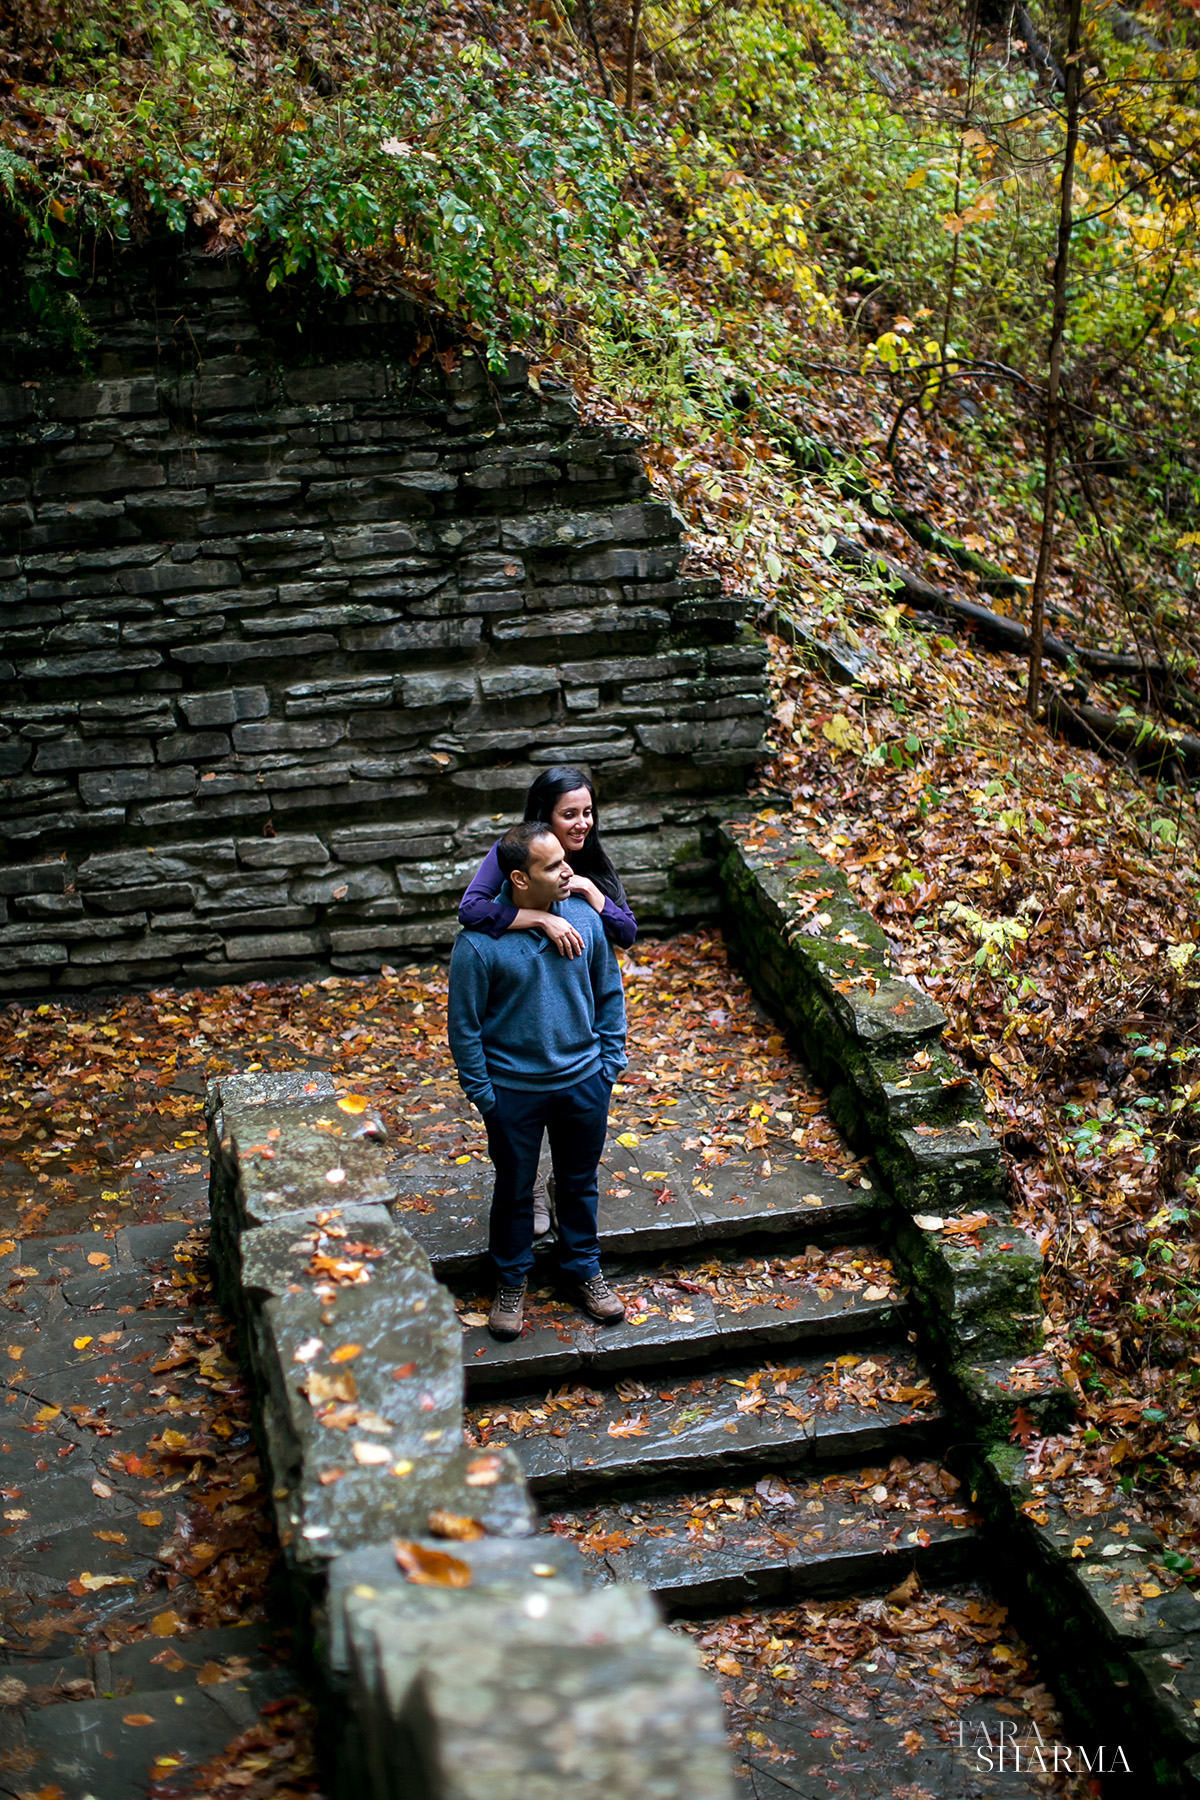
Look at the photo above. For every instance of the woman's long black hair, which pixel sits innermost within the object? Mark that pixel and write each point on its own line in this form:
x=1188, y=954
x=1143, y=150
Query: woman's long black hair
x=593, y=859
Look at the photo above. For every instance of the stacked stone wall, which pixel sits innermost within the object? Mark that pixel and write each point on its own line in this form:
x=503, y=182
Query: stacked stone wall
x=284, y=643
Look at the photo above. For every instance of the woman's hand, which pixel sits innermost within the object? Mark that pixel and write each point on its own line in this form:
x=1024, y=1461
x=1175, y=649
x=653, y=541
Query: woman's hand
x=562, y=934
x=587, y=890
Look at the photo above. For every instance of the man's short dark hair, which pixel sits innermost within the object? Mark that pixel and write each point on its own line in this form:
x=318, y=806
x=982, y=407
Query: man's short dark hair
x=512, y=852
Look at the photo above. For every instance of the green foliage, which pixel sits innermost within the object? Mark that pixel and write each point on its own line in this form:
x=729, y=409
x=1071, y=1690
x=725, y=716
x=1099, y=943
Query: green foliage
x=497, y=194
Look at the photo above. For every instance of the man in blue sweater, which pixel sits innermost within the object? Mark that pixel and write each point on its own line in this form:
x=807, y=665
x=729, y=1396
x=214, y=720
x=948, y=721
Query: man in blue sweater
x=538, y=1040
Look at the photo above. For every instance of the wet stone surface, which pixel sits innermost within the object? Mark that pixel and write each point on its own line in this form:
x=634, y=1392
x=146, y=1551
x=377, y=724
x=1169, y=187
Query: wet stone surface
x=356, y=1349
x=735, y=1220
x=863, y=1531
x=808, y=1410
x=689, y=1310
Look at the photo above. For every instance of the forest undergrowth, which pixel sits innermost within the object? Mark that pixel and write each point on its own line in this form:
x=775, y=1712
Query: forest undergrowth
x=805, y=250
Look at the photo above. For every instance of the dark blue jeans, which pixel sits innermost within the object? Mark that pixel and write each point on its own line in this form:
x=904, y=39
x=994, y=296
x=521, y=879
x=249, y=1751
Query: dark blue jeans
x=576, y=1119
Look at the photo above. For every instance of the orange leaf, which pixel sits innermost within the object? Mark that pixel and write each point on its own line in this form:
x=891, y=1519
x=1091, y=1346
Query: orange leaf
x=353, y=1103
x=432, y=1568
x=346, y=1353
x=137, y=1719
x=443, y=1524
x=150, y=1518
x=165, y=1624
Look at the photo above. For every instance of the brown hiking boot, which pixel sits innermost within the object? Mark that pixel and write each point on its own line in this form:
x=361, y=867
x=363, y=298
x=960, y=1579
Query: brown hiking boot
x=508, y=1312
x=597, y=1298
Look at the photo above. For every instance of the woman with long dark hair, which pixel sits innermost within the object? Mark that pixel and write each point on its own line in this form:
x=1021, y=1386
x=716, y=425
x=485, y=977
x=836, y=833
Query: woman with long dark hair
x=564, y=799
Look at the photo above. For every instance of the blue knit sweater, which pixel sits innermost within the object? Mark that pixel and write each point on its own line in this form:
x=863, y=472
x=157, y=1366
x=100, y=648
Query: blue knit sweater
x=523, y=1016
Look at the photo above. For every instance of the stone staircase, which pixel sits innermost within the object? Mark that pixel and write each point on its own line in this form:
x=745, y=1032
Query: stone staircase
x=766, y=1343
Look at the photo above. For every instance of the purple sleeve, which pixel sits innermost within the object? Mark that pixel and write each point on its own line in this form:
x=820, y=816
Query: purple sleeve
x=620, y=926
x=480, y=909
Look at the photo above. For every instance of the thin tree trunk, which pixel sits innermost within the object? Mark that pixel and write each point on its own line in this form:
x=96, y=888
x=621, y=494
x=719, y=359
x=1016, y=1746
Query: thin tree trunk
x=635, y=21
x=1037, y=607
x=590, y=23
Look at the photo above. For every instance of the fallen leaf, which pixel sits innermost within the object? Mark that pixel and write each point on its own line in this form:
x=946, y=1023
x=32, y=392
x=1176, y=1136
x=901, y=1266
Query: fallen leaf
x=137, y=1719
x=907, y=1590
x=345, y=1353
x=165, y=1624
x=370, y=1454
x=459, y=1526
x=432, y=1568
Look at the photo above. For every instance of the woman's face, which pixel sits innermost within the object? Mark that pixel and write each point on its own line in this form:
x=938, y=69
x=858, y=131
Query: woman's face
x=571, y=820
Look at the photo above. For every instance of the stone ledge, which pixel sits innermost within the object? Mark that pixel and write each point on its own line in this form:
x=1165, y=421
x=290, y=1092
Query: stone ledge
x=1120, y=1656
x=355, y=1354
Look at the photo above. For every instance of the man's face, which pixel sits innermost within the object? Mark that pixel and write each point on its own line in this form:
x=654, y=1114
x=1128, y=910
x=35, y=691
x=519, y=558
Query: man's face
x=547, y=877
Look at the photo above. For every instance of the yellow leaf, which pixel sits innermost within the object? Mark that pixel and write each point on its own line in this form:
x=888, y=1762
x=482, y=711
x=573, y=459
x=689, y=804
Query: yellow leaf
x=16, y=1351
x=165, y=1624
x=81, y=1343
x=1150, y=1590
x=353, y=1103
x=842, y=734
x=93, y=1583
x=629, y=1139
x=916, y=179
x=44, y=1414
x=7, y=1247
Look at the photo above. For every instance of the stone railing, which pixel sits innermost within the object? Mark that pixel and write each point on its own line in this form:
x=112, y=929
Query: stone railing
x=284, y=645
x=1119, y=1646
x=458, y=1646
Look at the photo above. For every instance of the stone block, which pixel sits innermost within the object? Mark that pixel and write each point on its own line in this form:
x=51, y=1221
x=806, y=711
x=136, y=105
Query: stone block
x=261, y=946
x=228, y=706
x=437, y=687
x=602, y=622
x=278, y=735
x=336, y=383
x=194, y=746
x=363, y=883
x=292, y=850
x=168, y=577
x=94, y=752
x=537, y=1694
x=311, y=698
x=490, y=569
x=32, y=956
x=128, y=713
x=117, y=787
x=239, y=650
x=95, y=665
x=515, y=682
x=367, y=543
x=687, y=737
x=382, y=843
x=409, y=636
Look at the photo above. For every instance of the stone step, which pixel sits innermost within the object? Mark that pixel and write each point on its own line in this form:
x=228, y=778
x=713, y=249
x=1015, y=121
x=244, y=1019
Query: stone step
x=646, y=1208
x=579, y=1439
x=705, y=1552
x=693, y=1309
x=107, y=1725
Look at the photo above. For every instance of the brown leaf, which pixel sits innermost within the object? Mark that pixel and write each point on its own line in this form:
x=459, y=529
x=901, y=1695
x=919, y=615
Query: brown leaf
x=432, y=1568
x=459, y=1526
x=908, y=1590
x=165, y=1624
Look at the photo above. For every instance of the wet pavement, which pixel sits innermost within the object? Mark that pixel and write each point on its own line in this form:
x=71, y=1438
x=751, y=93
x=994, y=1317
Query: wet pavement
x=766, y=1346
